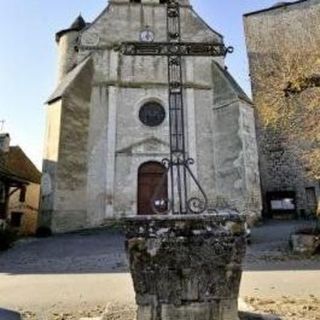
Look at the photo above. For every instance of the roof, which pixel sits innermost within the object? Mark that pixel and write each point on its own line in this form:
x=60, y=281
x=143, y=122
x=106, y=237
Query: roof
x=17, y=166
x=275, y=6
x=233, y=83
x=77, y=25
x=67, y=80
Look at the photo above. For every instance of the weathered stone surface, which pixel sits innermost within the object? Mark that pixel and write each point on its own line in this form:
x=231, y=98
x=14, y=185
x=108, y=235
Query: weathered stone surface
x=286, y=31
x=186, y=267
x=305, y=244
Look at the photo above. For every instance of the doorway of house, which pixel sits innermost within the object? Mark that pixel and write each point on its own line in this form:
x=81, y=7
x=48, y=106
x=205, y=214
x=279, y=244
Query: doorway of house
x=151, y=179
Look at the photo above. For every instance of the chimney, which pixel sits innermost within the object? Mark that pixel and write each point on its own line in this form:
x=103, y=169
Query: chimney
x=4, y=142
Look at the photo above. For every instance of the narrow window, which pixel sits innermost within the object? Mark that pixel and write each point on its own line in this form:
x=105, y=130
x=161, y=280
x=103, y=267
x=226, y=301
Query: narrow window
x=22, y=197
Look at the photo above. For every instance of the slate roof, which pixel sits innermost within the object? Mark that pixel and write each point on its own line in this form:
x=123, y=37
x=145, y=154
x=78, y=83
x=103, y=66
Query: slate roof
x=233, y=83
x=15, y=165
x=77, y=25
x=66, y=81
x=275, y=6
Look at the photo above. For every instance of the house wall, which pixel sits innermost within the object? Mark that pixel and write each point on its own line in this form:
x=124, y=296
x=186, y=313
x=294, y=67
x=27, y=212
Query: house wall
x=289, y=27
x=29, y=209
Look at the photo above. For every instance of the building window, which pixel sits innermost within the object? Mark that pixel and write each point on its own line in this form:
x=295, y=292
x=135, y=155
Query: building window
x=152, y=114
x=22, y=196
x=135, y=1
x=283, y=204
x=16, y=219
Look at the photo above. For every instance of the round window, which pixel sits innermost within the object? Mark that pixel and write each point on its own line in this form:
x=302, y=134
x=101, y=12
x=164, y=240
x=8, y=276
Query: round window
x=152, y=114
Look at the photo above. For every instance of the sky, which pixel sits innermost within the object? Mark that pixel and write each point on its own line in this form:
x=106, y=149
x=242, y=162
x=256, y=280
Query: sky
x=28, y=55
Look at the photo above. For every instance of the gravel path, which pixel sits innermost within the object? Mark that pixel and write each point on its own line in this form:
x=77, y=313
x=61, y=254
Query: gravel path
x=68, y=276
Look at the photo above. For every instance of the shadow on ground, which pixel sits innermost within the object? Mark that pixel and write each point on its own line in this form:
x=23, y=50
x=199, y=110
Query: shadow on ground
x=9, y=315
x=96, y=251
x=102, y=251
x=255, y=316
x=270, y=250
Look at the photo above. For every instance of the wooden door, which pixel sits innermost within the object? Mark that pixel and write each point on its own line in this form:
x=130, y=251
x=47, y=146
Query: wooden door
x=151, y=177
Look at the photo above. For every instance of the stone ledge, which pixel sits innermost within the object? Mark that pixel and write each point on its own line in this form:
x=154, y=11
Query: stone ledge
x=223, y=215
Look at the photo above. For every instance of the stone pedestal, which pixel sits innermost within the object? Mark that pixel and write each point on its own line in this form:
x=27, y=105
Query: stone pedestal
x=186, y=267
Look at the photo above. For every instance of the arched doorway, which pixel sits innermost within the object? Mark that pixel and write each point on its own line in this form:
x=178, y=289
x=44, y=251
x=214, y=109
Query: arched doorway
x=150, y=176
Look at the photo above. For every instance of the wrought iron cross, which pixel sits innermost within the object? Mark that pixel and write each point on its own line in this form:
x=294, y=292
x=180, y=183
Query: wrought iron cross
x=179, y=164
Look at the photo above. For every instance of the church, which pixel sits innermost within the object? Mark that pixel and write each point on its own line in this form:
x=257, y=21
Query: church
x=108, y=125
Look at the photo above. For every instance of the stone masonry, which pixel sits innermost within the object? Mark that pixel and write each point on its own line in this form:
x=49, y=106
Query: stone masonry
x=186, y=267
x=281, y=169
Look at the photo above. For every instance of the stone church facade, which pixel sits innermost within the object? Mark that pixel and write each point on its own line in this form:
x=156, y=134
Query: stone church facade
x=284, y=32
x=108, y=127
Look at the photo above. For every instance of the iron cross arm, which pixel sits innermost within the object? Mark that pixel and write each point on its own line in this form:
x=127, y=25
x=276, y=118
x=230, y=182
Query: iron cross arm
x=175, y=49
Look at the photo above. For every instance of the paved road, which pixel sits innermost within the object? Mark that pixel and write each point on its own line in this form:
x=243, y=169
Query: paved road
x=90, y=268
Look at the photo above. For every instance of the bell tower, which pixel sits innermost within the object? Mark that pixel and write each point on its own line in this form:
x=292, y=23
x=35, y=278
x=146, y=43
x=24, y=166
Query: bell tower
x=67, y=40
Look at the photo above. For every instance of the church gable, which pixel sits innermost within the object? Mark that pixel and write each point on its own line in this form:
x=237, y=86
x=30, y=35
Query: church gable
x=150, y=145
x=120, y=22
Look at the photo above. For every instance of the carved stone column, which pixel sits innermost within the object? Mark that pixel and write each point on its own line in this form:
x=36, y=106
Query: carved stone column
x=186, y=267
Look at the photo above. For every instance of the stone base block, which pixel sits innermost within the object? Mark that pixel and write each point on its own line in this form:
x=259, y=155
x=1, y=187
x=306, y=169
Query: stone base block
x=186, y=267
x=305, y=244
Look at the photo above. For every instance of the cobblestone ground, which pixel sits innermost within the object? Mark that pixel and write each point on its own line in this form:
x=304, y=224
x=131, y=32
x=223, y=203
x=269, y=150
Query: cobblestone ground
x=76, y=275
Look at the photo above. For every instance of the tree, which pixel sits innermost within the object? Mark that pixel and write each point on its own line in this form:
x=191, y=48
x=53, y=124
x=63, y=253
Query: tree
x=286, y=80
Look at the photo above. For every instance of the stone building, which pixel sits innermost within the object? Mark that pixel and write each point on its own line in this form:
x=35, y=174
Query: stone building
x=19, y=188
x=108, y=127
x=283, y=49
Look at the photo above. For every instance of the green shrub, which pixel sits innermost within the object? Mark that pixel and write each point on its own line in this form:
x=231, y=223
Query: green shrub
x=7, y=238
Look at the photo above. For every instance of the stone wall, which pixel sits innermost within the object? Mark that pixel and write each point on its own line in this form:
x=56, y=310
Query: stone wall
x=64, y=207
x=290, y=28
x=186, y=267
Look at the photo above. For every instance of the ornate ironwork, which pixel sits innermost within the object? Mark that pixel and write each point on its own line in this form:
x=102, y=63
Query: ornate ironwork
x=178, y=166
x=169, y=49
